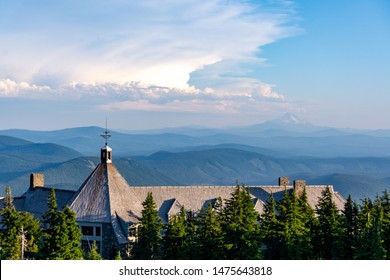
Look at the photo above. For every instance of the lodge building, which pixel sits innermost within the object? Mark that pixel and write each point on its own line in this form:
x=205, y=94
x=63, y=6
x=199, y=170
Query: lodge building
x=108, y=209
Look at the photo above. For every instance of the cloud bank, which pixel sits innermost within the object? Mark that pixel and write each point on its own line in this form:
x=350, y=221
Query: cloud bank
x=140, y=55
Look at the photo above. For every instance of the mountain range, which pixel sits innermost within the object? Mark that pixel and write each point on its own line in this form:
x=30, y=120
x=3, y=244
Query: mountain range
x=356, y=162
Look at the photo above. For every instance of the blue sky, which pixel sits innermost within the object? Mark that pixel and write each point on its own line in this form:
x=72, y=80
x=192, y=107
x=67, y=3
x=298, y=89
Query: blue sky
x=149, y=64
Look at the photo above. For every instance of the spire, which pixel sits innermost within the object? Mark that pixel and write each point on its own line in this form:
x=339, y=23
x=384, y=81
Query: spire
x=106, y=134
x=106, y=151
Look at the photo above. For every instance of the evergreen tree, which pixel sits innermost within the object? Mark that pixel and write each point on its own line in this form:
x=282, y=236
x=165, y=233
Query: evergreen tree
x=9, y=235
x=61, y=236
x=93, y=254
x=294, y=243
x=385, y=200
x=350, y=228
x=72, y=248
x=210, y=235
x=241, y=227
x=308, y=219
x=148, y=245
x=270, y=230
x=51, y=219
x=174, y=240
x=327, y=230
x=118, y=256
x=21, y=233
x=370, y=240
x=191, y=240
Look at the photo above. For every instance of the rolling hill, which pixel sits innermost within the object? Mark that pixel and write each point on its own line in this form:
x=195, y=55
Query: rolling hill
x=71, y=174
x=355, y=161
x=287, y=135
x=356, y=176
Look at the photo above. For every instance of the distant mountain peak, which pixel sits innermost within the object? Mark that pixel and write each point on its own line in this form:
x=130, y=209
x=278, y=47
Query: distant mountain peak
x=289, y=119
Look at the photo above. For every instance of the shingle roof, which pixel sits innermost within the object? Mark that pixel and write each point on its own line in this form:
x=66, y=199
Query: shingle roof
x=169, y=199
x=106, y=197
x=91, y=202
x=35, y=200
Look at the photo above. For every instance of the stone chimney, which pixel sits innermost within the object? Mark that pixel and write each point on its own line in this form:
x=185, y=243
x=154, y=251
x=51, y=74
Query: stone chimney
x=284, y=181
x=37, y=180
x=299, y=186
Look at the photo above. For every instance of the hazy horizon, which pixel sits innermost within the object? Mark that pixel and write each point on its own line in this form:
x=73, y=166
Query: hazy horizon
x=112, y=127
x=157, y=64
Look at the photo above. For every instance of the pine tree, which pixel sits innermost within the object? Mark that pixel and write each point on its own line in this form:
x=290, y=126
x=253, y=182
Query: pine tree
x=293, y=231
x=241, y=227
x=148, y=245
x=174, y=240
x=210, y=235
x=73, y=249
x=370, y=241
x=93, y=254
x=51, y=219
x=62, y=236
x=118, y=256
x=9, y=234
x=191, y=238
x=308, y=219
x=21, y=233
x=385, y=200
x=270, y=230
x=350, y=228
x=327, y=230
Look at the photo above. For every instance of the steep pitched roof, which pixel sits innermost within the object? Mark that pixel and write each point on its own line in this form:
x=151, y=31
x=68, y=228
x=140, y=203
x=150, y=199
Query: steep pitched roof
x=105, y=197
x=91, y=202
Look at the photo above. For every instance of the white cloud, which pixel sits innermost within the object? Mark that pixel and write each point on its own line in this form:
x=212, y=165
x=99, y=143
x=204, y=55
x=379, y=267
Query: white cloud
x=246, y=95
x=154, y=56
x=155, y=42
x=9, y=88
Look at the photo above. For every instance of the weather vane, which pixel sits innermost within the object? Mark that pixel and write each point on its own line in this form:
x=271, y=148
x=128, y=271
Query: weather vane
x=106, y=134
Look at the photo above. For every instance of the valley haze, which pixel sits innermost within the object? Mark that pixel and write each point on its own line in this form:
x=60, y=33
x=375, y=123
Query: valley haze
x=356, y=162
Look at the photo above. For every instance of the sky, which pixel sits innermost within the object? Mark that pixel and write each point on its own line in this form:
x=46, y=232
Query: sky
x=216, y=63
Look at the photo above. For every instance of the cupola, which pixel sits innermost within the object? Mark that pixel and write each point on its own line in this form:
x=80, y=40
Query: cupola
x=106, y=154
x=106, y=151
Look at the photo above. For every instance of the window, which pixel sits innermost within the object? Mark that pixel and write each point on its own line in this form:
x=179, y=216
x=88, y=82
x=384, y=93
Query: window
x=85, y=245
x=92, y=232
x=98, y=233
x=133, y=229
x=87, y=230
